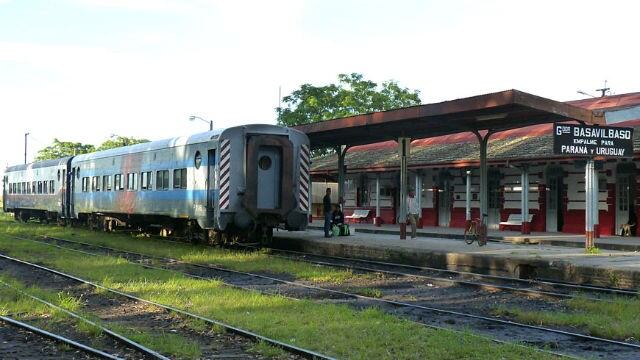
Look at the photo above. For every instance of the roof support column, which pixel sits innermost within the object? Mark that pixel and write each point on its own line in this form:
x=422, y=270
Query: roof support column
x=484, y=188
x=377, y=218
x=467, y=201
x=418, y=195
x=342, y=152
x=524, y=199
x=588, y=211
x=596, y=201
x=403, y=144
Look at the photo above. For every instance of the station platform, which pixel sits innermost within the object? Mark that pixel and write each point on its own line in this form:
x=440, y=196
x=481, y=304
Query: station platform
x=559, y=257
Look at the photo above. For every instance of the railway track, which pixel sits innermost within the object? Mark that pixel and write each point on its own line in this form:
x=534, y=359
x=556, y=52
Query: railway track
x=567, y=342
x=305, y=353
x=543, y=287
x=92, y=352
x=142, y=350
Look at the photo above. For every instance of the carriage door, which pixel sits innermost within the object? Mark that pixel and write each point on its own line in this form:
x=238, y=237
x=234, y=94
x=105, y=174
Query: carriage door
x=494, y=205
x=211, y=179
x=625, y=195
x=445, y=197
x=269, y=177
x=554, y=199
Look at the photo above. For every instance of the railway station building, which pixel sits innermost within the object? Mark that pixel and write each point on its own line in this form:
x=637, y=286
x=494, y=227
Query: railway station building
x=520, y=160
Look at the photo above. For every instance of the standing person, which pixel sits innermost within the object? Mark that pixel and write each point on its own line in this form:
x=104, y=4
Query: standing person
x=412, y=212
x=326, y=208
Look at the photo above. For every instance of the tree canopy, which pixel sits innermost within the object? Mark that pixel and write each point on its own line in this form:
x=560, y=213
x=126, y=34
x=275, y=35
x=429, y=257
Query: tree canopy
x=119, y=141
x=59, y=149
x=351, y=96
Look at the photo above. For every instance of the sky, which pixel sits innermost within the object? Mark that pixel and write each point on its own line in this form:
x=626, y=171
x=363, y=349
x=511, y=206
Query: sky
x=84, y=70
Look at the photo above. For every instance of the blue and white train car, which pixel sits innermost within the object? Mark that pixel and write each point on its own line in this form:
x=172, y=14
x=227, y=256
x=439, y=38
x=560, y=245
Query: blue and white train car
x=36, y=190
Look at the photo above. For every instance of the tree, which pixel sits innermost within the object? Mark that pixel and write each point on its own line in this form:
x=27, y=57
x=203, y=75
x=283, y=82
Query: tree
x=117, y=141
x=351, y=96
x=61, y=149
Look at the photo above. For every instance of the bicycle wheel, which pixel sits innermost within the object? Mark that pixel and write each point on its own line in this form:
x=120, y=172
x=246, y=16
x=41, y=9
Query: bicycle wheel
x=470, y=234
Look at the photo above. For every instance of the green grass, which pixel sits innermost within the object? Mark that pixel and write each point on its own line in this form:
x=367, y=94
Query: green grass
x=336, y=330
x=165, y=343
x=257, y=261
x=618, y=319
x=12, y=302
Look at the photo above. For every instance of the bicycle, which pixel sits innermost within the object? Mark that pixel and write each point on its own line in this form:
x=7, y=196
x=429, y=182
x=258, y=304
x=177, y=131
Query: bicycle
x=476, y=231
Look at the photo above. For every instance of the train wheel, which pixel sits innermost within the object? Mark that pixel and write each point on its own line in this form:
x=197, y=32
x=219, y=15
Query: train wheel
x=24, y=216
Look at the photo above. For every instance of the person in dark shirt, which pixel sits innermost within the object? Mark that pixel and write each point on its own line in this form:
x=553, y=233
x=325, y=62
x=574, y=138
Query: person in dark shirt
x=326, y=208
x=337, y=218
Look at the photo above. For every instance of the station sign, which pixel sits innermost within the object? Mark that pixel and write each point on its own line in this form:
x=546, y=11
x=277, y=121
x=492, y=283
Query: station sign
x=583, y=140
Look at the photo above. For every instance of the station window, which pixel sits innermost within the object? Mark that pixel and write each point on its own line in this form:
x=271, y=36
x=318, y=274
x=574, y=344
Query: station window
x=95, y=183
x=51, y=187
x=117, y=182
x=145, y=180
x=162, y=180
x=45, y=190
x=132, y=181
x=180, y=178
x=106, y=183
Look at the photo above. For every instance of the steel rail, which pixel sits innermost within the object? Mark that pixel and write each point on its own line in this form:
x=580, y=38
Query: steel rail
x=390, y=302
x=251, y=289
x=118, y=337
x=58, y=338
x=236, y=330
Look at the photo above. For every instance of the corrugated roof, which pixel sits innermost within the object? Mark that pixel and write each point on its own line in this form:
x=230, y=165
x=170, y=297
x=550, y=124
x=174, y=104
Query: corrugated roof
x=532, y=142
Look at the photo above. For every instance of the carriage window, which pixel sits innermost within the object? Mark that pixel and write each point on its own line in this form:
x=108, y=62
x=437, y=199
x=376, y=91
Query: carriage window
x=198, y=160
x=33, y=188
x=51, y=186
x=180, y=178
x=106, y=183
x=64, y=177
x=132, y=181
x=58, y=174
x=39, y=187
x=85, y=184
x=145, y=181
x=117, y=181
x=78, y=172
x=10, y=188
x=162, y=180
x=95, y=183
x=44, y=188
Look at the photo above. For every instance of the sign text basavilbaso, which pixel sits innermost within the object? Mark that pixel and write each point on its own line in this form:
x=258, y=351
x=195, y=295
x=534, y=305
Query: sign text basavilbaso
x=583, y=140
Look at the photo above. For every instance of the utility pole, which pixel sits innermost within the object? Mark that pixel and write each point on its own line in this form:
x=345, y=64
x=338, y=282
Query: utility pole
x=604, y=89
x=25, y=147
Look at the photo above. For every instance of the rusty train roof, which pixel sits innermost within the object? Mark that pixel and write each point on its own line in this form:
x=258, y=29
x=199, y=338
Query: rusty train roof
x=496, y=111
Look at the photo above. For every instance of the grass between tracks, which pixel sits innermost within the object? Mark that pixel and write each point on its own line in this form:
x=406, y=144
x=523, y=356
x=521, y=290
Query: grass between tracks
x=335, y=330
x=17, y=305
x=618, y=319
x=257, y=261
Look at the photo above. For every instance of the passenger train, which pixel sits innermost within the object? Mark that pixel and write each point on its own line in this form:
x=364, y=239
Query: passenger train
x=241, y=180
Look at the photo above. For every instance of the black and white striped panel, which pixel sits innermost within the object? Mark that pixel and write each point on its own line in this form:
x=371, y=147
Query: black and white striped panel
x=305, y=165
x=225, y=173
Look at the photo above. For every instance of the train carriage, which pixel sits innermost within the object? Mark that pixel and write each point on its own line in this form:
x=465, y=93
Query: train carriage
x=241, y=180
x=36, y=190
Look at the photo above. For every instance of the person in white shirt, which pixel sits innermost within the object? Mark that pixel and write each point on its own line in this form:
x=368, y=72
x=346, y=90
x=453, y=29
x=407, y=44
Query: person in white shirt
x=412, y=212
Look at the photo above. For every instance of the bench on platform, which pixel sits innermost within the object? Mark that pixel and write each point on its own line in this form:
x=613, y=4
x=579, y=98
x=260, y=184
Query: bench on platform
x=358, y=215
x=515, y=220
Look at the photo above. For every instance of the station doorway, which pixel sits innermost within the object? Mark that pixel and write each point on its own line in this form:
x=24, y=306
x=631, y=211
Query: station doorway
x=625, y=196
x=494, y=203
x=445, y=198
x=555, y=197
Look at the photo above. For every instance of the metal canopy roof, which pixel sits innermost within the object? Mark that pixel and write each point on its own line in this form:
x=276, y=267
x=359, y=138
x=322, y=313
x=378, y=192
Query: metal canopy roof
x=497, y=111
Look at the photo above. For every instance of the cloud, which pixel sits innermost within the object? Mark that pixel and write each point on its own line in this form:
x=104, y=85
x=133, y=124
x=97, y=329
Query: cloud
x=144, y=5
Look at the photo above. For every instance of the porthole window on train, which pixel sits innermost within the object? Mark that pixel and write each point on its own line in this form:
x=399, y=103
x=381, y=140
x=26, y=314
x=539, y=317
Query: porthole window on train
x=197, y=161
x=264, y=162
